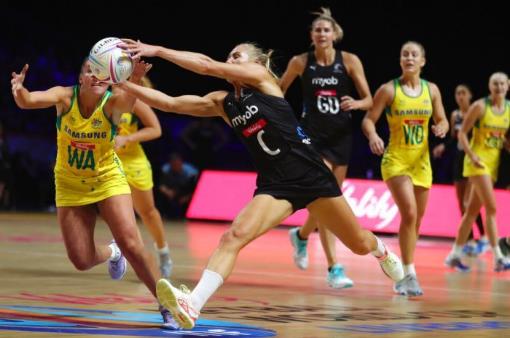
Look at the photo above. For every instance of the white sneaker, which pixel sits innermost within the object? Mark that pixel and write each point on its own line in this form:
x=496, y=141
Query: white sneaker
x=178, y=302
x=392, y=266
x=117, y=268
x=165, y=265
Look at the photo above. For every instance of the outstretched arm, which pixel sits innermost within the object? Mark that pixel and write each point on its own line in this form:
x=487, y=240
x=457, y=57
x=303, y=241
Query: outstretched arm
x=250, y=73
x=121, y=101
x=187, y=104
x=37, y=99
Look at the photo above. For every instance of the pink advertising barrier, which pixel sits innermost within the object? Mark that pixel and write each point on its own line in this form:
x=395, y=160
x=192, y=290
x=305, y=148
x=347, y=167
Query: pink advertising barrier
x=220, y=195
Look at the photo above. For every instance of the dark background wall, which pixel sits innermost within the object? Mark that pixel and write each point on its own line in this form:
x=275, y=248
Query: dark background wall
x=465, y=41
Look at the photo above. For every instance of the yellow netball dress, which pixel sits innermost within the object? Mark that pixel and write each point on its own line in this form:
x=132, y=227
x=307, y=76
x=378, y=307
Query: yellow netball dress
x=87, y=169
x=487, y=141
x=136, y=165
x=407, y=153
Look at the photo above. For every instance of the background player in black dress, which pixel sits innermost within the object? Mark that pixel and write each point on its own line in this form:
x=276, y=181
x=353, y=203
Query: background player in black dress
x=327, y=78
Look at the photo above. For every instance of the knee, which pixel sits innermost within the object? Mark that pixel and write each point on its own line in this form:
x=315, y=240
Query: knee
x=363, y=243
x=149, y=212
x=236, y=237
x=81, y=263
x=490, y=209
x=409, y=215
x=130, y=246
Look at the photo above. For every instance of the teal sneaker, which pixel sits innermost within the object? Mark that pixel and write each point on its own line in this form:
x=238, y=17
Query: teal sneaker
x=337, y=278
x=300, y=252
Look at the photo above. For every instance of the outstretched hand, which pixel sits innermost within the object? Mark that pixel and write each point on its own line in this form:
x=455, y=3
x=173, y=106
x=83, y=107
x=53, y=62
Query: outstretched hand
x=138, y=49
x=17, y=79
x=141, y=68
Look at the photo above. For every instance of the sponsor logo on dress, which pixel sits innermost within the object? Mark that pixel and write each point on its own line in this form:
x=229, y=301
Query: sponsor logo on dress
x=96, y=123
x=325, y=81
x=242, y=119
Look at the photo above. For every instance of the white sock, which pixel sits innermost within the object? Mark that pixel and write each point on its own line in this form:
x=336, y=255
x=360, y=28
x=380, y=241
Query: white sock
x=457, y=250
x=409, y=269
x=497, y=252
x=163, y=250
x=115, y=255
x=380, y=251
x=208, y=284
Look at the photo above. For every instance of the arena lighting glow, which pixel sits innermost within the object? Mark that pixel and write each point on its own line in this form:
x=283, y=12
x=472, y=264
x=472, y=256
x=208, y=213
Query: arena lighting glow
x=220, y=195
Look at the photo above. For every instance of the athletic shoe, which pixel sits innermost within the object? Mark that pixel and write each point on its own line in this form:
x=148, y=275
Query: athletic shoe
x=178, y=302
x=408, y=286
x=391, y=266
x=482, y=245
x=337, y=278
x=165, y=265
x=300, y=252
x=502, y=264
x=470, y=249
x=168, y=321
x=504, y=246
x=117, y=266
x=455, y=262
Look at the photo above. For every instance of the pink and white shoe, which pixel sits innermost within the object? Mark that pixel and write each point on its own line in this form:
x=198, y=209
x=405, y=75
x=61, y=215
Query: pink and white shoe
x=392, y=266
x=178, y=302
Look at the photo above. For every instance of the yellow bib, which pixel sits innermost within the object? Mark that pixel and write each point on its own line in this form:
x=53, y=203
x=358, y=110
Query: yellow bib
x=408, y=118
x=128, y=124
x=489, y=132
x=85, y=145
x=487, y=141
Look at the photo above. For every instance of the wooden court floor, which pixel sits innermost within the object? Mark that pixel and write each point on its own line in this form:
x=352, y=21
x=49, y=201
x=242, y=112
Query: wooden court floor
x=41, y=295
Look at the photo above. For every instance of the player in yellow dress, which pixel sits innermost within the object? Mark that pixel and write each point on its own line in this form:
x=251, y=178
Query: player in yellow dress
x=409, y=102
x=139, y=173
x=89, y=175
x=489, y=118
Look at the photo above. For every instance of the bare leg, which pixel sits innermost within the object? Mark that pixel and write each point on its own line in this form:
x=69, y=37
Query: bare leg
x=247, y=226
x=338, y=217
x=484, y=188
x=327, y=238
x=118, y=213
x=473, y=208
x=77, y=225
x=144, y=206
x=402, y=190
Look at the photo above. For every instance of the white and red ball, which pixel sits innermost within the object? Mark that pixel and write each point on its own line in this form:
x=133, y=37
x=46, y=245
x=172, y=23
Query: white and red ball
x=110, y=63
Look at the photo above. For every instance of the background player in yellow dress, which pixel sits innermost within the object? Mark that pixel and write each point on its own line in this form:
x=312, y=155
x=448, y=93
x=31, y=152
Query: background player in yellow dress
x=139, y=172
x=409, y=102
x=89, y=175
x=489, y=118
x=462, y=185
